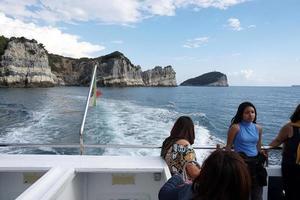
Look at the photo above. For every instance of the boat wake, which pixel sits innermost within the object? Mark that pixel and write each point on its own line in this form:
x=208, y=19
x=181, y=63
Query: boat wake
x=125, y=122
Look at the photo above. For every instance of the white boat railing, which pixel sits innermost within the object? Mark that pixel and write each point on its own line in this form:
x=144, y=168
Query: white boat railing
x=133, y=146
x=115, y=146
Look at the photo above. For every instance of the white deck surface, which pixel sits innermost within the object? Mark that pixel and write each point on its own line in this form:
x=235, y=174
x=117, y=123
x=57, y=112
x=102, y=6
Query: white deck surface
x=81, y=163
x=75, y=177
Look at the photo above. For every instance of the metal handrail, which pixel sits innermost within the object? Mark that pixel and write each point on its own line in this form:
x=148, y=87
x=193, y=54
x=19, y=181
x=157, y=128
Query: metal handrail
x=74, y=145
x=85, y=111
x=30, y=145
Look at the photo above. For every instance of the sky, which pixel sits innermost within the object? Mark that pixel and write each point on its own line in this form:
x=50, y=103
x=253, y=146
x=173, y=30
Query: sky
x=253, y=42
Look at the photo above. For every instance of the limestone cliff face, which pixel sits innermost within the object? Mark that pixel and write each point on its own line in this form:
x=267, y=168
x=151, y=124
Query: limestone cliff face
x=24, y=63
x=67, y=70
x=117, y=70
x=208, y=79
x=113, y=70
x=160, y=76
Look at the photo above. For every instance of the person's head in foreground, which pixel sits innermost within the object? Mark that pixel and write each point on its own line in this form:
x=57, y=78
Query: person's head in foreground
x=224, y=176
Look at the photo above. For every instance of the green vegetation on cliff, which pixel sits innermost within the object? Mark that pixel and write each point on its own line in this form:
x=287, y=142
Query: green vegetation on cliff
x=54, y=60
x=3, y=44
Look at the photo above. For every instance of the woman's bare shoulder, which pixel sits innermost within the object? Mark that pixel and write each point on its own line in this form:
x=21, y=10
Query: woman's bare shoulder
x=288, y=125
x=235, y=127
x=259, y=127
x=287, y=128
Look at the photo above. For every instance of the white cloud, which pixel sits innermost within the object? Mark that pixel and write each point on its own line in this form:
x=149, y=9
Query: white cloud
x=250, y=77
x=234, y=24
x=243, y=74
x=54, y=39
x=247, y=73
x=71, y=11
x=168, y=7
x=196, y=42
x=160, y=7
x=220, y=4
x=102, y=11
x=17, y=8
x=243, y=77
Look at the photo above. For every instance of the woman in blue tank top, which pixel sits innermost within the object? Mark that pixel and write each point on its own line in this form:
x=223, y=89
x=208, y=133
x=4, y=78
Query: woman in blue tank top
x=245, y=137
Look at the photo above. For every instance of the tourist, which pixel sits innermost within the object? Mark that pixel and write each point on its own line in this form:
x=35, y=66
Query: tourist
x=245, y=137
x=289, y=135
x=224, y=176
x=177, y=149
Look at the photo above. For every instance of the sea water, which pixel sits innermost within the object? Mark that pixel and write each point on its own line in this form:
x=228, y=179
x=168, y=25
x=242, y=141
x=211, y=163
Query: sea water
x=142, y=116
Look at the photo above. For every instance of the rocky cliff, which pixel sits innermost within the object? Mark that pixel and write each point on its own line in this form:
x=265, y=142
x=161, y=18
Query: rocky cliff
x=117, y=70
x=113, y=70
x=25, y=63
x=160, y=76
x=208, y=79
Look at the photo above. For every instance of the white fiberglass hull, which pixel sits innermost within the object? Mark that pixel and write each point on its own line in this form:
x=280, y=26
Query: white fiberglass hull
x=74, y=177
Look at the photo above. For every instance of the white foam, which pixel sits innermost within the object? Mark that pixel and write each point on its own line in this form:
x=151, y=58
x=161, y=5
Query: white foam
x=131, y=123
x=26, y=132
x=115, y=122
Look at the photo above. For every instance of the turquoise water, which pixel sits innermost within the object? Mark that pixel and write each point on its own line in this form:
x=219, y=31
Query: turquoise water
x=134, y=115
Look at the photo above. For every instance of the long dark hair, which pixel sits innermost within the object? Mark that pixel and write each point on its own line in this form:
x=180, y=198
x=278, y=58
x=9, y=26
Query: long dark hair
x=239, y=113
x=296, y=115
x=224, y=176
x=182, y=129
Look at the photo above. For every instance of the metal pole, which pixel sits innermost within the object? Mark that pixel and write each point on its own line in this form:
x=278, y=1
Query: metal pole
x=85, y=112
x=122, y=146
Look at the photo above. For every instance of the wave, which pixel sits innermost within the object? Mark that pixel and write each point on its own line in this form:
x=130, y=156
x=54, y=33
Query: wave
x=12, y=115
x=125, y=122
x=110, y=122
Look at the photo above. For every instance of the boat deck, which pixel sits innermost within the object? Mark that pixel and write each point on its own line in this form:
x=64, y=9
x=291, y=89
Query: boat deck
x=76, y=177
x=81, y=177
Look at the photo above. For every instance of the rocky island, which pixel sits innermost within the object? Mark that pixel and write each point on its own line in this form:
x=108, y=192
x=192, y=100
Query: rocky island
x=208, y=79
x=26, y=63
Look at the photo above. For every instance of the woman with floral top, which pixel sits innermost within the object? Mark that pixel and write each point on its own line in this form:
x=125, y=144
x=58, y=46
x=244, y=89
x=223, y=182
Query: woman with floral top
x=177, y=149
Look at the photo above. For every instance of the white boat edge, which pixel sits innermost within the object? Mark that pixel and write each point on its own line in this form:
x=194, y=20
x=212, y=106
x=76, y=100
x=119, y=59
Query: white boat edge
x=81, y=177
x=86, y=177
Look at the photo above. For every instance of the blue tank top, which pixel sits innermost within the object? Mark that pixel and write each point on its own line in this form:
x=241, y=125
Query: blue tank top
x=246, y=139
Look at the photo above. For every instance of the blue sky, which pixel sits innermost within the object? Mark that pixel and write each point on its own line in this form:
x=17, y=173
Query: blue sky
x=254, y=42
